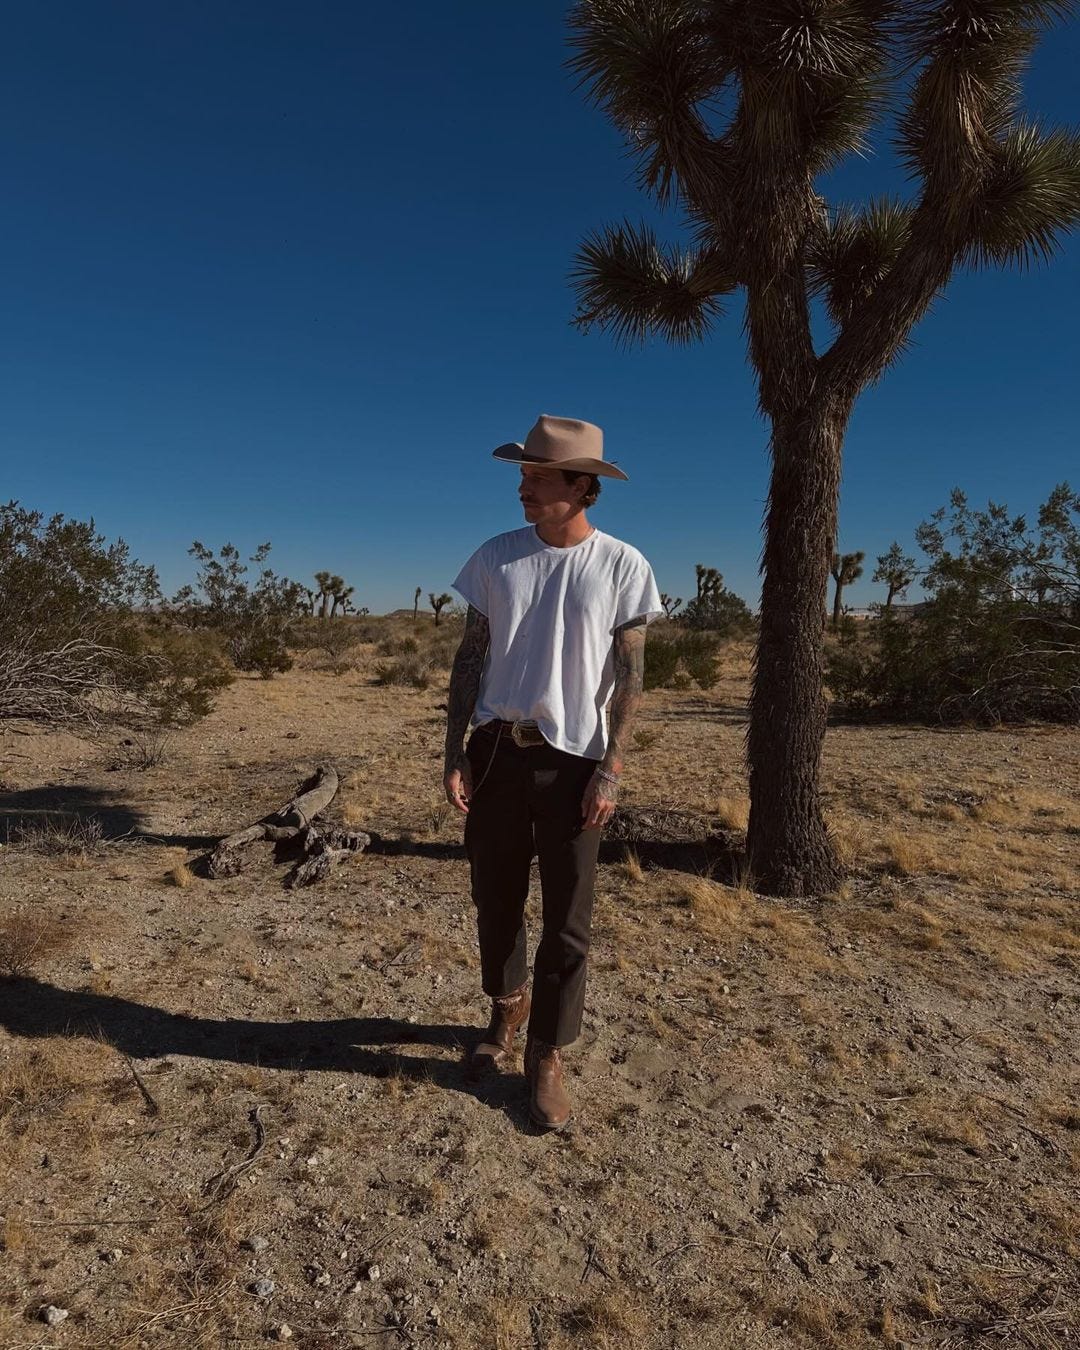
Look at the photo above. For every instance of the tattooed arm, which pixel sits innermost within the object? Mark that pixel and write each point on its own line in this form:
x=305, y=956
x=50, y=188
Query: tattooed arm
x=464, y=690
x=602, y=794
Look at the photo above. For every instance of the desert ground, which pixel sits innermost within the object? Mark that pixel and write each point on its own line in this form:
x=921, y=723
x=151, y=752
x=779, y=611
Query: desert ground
x=234, y=1114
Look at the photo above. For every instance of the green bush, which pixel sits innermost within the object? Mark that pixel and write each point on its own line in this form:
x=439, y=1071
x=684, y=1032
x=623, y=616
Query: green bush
x=80, y=639
x=661, y=662
x=997, y=640
x=257, y=622
x=678, y=658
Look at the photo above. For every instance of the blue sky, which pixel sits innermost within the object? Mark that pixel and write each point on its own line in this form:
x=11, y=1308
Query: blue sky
x=290, y=272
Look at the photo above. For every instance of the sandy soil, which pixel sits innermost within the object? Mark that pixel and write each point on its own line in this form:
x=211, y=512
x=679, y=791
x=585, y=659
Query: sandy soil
x=843, y=1123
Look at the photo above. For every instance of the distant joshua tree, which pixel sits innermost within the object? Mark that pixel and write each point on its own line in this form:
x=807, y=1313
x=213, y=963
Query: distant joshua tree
x=736, y=112
x=416, y=603
x=341, y=594
x=322, y=580
x=846, y=568
x=895, y=570
x=438, y=603
x=669, y=603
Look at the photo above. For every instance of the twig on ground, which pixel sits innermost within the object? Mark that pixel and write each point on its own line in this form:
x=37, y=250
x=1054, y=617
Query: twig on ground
x=222, y=1184
x=593, y=1262
x=152, y=1108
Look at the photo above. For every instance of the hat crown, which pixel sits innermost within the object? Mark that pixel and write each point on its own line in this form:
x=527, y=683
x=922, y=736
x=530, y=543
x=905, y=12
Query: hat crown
x=557, y=439
x=562, y=443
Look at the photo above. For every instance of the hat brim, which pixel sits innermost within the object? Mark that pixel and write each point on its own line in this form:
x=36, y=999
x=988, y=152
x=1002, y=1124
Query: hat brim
x=514, y=453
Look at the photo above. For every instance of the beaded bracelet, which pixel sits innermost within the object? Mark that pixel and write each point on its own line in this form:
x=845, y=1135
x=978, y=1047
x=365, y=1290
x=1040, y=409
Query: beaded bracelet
x=608, y=777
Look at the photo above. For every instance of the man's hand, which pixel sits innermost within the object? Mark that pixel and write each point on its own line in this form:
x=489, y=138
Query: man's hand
x=457, y=783
x=598, y=804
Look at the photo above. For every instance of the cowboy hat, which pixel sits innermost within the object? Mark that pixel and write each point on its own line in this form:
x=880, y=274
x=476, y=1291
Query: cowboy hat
x=562, y=443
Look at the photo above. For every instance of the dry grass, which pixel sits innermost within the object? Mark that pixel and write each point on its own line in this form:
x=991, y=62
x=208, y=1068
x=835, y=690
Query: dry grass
x=733, y=813
x=58, y=835
x=843, y=1045
x=28, y=938
x=180, y=875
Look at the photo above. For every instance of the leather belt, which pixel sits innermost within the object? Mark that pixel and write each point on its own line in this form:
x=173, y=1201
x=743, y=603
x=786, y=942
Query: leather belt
x=523, y=733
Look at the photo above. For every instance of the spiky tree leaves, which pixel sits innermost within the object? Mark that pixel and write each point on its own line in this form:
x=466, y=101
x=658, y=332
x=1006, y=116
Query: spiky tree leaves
x=631, y=286
x=732, y=109
x=850, y=252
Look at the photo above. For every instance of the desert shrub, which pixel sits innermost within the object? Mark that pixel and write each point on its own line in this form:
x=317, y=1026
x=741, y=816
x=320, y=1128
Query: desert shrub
x=28, y=938
x=398, y=646
x=715, y=608
x=661, y=661
x=699, y=654
x=998, y=638
x=679, y=658
x=414, y=671
x=256, y=622
x=146, y=748
x=79, y=639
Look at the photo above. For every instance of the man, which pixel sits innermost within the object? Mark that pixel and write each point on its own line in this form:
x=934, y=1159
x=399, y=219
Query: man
x=555, y=628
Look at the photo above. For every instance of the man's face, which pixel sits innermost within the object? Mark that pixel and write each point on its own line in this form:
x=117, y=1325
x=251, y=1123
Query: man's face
x=547, y=498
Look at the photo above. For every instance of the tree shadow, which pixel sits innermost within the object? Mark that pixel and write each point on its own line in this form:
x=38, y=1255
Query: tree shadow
x=729, y=713
x=366, y=1046
x=66, y=804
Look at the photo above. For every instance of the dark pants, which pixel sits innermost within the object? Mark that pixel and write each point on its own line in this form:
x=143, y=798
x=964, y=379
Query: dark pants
x=529, y=801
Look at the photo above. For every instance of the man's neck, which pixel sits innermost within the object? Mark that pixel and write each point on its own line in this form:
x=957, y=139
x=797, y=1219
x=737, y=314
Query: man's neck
x=565, y=535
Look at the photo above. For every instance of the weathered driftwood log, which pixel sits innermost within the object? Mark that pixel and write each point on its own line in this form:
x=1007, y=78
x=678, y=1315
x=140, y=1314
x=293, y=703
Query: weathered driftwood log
x=322, y=845
x=324, y=848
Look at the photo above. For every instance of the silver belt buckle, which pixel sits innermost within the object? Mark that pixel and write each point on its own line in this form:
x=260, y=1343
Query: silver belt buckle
x=520, y=734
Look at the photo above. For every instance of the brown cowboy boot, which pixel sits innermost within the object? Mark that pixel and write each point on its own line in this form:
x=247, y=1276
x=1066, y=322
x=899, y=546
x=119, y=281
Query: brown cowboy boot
x=549, y=1102
x=507, y=1015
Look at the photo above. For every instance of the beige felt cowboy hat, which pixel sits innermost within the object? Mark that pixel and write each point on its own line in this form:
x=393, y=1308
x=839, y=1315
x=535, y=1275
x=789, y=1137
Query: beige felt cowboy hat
x=562, y=443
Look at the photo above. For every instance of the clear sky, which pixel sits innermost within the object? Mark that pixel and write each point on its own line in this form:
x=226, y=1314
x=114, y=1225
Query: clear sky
x=290, y=271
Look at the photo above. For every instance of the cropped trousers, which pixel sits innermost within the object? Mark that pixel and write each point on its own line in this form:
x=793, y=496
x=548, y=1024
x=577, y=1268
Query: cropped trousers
x=527, y=801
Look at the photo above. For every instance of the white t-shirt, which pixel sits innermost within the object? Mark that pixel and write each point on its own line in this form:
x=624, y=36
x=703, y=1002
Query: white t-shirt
x=552, y=615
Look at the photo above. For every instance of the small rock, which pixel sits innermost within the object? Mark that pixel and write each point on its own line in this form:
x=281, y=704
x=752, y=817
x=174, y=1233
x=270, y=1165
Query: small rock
x=322, y=1279
x=53, y=1315
x=434, y=1314
x=282, y=1333
x=256, y=1243
x=262, y=1288
x=373, y=1272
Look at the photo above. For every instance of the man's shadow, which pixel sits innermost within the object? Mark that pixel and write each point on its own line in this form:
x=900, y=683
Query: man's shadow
x=361, y=1045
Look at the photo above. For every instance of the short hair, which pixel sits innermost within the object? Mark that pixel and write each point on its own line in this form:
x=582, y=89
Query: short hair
x=592, y=491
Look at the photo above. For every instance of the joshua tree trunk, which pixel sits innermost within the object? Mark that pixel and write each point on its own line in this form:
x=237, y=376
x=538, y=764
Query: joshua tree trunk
x=787, y=842
x=836, y=603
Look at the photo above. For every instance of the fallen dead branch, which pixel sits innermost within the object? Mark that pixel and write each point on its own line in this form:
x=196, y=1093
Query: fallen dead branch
x=322, y=845
x=223, y=1183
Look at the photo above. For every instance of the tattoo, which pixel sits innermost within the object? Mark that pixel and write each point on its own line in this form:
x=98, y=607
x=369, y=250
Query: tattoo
x=465, y=683
x=626, y=698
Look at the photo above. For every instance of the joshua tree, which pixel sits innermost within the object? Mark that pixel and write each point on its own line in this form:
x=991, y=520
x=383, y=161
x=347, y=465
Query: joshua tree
x=670, y=603
x=896, y=570
x=322, y=580
x=339, y=593
x=416, y=603
x=438, y=602
x=709, y=582
x=846, y=568
x=735, y=110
